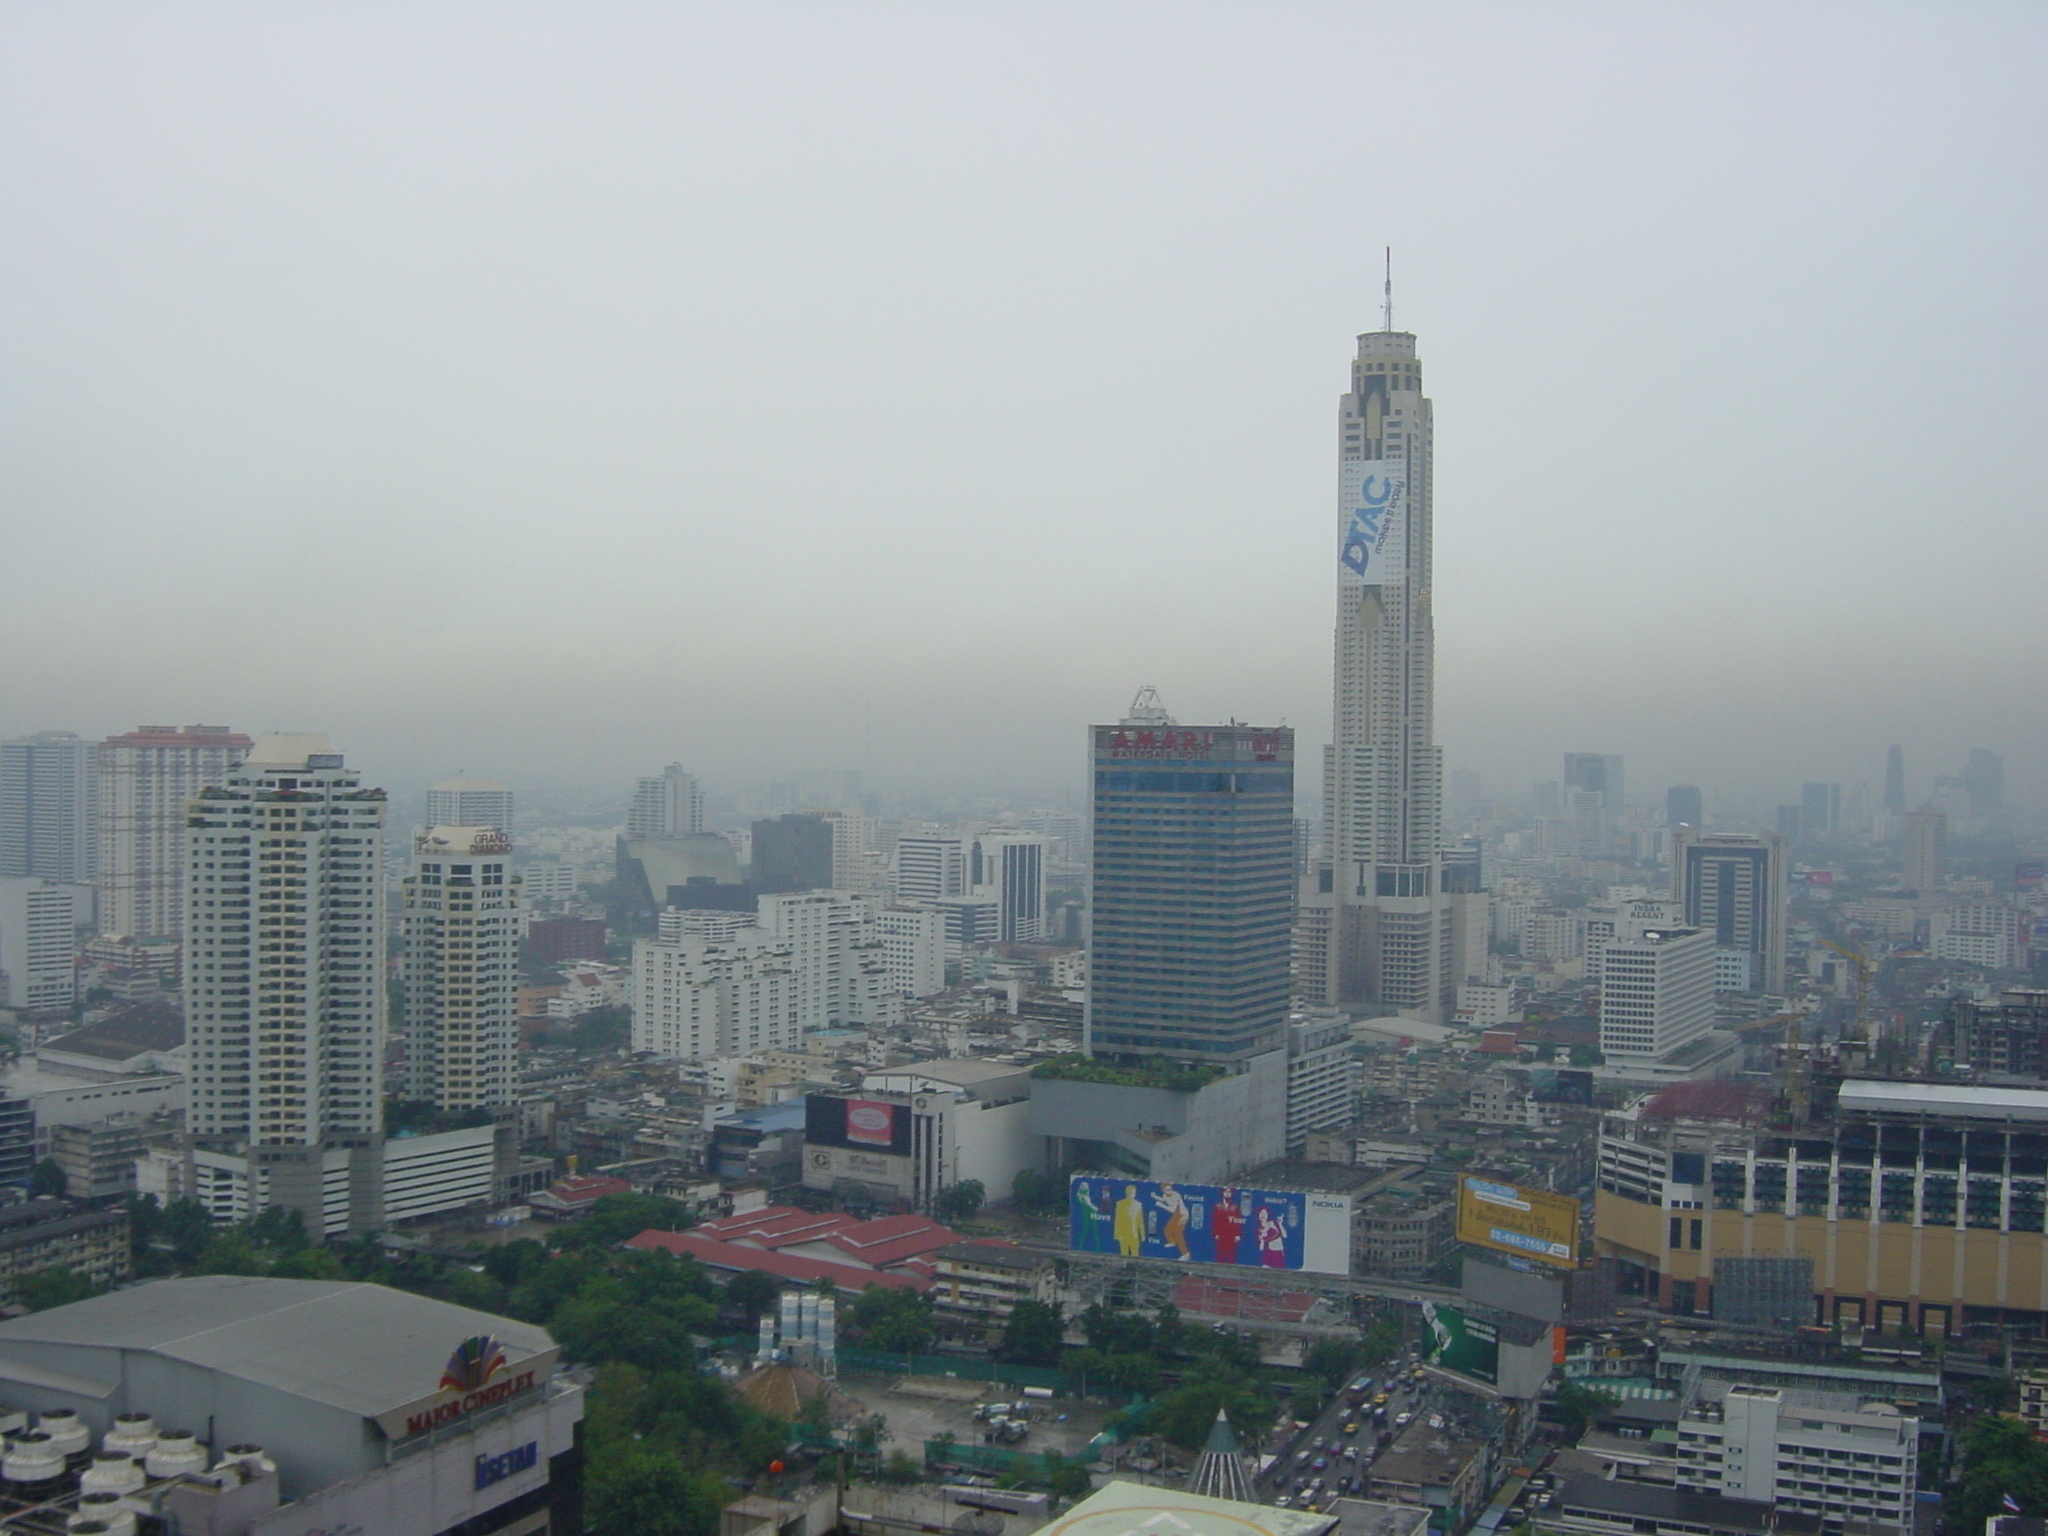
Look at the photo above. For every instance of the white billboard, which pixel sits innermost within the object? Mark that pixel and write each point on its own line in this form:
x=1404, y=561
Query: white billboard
x=1372, y=516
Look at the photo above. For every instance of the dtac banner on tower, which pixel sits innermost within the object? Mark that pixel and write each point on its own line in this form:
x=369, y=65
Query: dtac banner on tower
x=1371, y=522
x=1210, y=1224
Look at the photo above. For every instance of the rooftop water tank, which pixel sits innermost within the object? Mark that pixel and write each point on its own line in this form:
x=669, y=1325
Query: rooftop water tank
x=112, y=1472
x=175, y=1454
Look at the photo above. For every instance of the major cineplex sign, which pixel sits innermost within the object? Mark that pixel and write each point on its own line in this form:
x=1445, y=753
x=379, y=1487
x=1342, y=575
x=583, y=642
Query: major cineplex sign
x=478, y=1375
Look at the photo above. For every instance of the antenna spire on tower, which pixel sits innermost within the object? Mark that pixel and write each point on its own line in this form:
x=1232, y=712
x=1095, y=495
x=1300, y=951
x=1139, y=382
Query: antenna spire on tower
x=1387, y=302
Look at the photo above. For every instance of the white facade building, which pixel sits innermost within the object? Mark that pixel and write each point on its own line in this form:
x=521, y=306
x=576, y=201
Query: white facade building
x=284, y=973
x=49, y=807
x=146, y=778
x=470, y=803
x=1656, y=992
x=1986, y=933
x=1322, y=1076
x=1829, y=1455
x=667, y=804
x=38, y=945
x=840, y=959
x=463, y=928
x=695, y=999
x=914, y=948
x=931, y=866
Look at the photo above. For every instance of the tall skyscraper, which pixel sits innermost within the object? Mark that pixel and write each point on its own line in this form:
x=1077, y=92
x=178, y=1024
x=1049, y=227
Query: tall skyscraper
x=1734, y=887
x=49, y=807
x=1379, y=931
x=1011, y=867
x=1820, y=808
x=1983, y=780
x=1895, y=781
x=462, y=927
x=1600, y=771
x=1683, y=806
x=666, y=804
x=146, y=777
x=792, y=852
x=470, y=803
x=284, y=980
x=1191, y=895
x=1925, y=854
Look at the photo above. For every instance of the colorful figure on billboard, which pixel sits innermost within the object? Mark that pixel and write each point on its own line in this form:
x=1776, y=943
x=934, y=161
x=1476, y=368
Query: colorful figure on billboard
x=1272, y=1238
x=1199, y=1223
x=1091, y=1219
x=1175, y=1233
x=1130, y=1223
x=1226, y=1221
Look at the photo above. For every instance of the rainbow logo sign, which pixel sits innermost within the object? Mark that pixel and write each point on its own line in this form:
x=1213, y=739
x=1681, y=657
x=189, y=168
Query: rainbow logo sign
x=475, y=1362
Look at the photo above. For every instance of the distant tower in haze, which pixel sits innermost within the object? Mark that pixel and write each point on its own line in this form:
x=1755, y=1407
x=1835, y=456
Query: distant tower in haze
x=1377, y=930
x=1925, y=855
x=1735, y=888
x=460, y=802
x=146, y=777
x=1895, y=782
x=1683, y=806
x=1983, y=780
x=667, y=804
x=49, y=807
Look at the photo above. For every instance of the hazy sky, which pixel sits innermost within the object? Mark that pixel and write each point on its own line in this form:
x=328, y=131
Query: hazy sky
x=553, y=391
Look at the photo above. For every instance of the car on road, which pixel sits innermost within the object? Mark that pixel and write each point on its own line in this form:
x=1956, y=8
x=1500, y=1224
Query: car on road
x=1350, y=1428
x=1379, y=1399
x=1403, y=1419
x=1321, y=1464
x=1283, y=1502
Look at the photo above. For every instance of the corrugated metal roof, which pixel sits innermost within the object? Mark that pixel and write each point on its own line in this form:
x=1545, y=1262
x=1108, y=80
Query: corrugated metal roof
x=366, y=1349
x=1875, y=1096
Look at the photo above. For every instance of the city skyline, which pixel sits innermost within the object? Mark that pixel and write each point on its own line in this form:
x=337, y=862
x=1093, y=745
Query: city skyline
x=217, y=351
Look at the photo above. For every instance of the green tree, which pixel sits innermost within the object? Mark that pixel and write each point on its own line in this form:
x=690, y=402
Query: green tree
x=1038, y=1194
x=231, y=1251
x=1332, y=1361
x=1577, y=1407
x=1065, y=1477
x=1101, y=1371
x=617, y=1217
x=901, y=1468
x=46, y=1288
x=1185, y=1414
x=46, y=1180
x=310, y=1263
x=751, y=1291
x=960, y=1202
x=2000, y=1456
x=1116, y=1332
x=1034, y=1332
x=899, y=1321
x=635, y=1489
x=187, y=1226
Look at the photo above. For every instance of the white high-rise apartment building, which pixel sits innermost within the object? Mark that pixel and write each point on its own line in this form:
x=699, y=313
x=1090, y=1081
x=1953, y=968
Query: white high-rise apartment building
x=1656, y=992
x=38, y=945
x=698, y=999
x=1734, y=885
x=146, y=777
x=1383, y=934
x=931, y=866
x=667, y=804
x=839, y=956
x=1924, y=856
x=49, y=807
x=463, y=926
x=470, y=803
x=284, y=979
x=914, y=945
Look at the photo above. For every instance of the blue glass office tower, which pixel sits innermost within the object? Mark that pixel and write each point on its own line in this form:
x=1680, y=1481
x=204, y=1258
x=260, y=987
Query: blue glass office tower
x=1192, y=902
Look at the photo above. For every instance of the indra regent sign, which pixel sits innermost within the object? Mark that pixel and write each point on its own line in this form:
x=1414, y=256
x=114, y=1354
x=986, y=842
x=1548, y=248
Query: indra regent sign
x=480, y=1374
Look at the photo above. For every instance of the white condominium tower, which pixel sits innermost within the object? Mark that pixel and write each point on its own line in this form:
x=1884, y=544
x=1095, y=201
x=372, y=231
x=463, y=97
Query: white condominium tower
x=1378, y=931
x=146, y=777
x=461, y=968
x=666, y=804
x=284, y=979
x=49, y=807
x=470, y=803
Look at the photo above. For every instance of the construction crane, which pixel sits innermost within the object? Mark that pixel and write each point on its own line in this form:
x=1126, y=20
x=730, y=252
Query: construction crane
x=1858, y=1037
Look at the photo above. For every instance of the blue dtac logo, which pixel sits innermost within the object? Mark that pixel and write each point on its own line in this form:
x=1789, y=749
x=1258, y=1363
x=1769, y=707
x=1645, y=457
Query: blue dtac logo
x=1369, y=525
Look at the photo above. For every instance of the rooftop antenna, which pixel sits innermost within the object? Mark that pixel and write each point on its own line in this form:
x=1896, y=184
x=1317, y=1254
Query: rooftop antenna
x=1387, y=302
